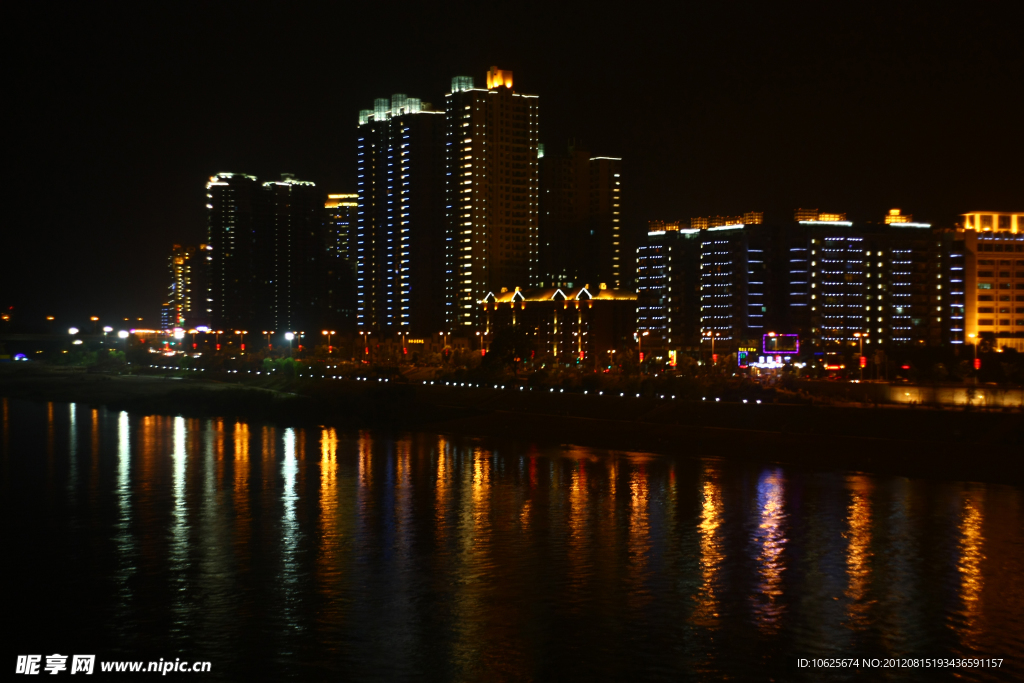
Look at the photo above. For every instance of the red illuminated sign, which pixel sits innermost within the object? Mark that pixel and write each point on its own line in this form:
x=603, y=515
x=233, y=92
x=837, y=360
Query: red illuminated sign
x=977, y=364
x=863, y=361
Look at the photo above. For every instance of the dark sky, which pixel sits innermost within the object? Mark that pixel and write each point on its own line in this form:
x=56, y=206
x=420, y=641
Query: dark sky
x=116, y=117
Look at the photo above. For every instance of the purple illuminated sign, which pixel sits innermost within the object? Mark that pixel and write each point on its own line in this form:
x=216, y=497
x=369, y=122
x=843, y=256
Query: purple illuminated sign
x=781, y=343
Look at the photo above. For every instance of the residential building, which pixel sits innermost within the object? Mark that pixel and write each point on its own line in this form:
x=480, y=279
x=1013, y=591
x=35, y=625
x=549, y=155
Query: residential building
x=340, y=262
x=400, y=221
x=491, y=149
x=292, y=267
x=233, y=205
x=668, y=286
x=580, y=220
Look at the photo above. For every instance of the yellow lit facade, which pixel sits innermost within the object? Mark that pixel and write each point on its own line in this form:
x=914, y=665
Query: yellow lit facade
x=895, y=216
x=492, y=193
x=993, y=278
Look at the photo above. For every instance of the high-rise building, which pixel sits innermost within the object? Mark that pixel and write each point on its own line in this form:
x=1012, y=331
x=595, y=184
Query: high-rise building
x=668, y=285
x=341, y=226
x=233, y=205
x=829, y=280
x=266, y=251
x=181, y=293
x=492, y=192
x=292, y=244
x=400, y=221
x=580, y=219
x=340, y=266
x=737, y=278
x=986, y=283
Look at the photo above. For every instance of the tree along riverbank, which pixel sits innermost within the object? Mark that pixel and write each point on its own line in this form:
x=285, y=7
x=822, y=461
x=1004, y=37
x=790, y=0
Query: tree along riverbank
x=912, y=441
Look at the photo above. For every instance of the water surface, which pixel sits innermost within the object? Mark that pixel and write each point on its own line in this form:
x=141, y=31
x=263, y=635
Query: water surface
x=281, y=553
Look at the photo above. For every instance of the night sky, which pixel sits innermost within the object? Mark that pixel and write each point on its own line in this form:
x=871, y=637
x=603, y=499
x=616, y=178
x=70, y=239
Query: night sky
x=117, y=116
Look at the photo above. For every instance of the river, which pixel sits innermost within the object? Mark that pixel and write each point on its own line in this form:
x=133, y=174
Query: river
x=314, y=554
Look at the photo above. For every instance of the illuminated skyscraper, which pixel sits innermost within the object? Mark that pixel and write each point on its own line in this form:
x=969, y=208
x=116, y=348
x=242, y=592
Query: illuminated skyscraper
x=400, y=233
x=492, y=192
x=232, y=203
x=187, y=293
x=265, y=252
x=291, y=244
x=580, y=220
x=340, y=266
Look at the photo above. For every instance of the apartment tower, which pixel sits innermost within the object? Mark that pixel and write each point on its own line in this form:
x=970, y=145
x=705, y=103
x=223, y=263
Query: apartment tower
x=492, y=193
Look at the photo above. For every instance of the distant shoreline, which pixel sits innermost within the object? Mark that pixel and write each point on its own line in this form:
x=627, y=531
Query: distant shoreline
x=920, y=442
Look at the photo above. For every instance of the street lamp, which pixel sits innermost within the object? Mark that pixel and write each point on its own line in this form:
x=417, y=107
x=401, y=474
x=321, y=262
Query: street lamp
x=860, y=361
x=216, y=337
x=329, y=334
x=481, y=343
x=123, y=334
x=289, y=336
x=712, y=334
x=95, y=324
x=72, y=330
x=242, y=333
x=267, y=333
x=639, y=345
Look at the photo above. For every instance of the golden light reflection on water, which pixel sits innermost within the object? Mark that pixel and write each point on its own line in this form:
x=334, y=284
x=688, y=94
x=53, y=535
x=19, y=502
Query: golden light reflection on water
x=771, y=544
x=580, y=536
x=328, y=500
x=711, y=555
x=442, y=490
x=639, y=527
x=241, y=469
x=473, y=559
x=858, y=550
x=969, y=565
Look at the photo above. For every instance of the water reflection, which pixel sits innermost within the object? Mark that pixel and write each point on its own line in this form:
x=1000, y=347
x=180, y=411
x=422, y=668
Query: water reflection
x=123, y=537
x=969, y=564
x=770, y=544
x=710, y=549
x=289, y=528
x=858, y=550
x=384, y=556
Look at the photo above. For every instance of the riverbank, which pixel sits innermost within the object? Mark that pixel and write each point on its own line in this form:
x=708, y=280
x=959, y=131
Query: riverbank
x=911, y=441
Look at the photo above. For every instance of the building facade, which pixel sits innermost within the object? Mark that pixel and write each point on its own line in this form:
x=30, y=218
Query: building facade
x=582, y=324
x=668, y=286
x=292, y=242
x=265, y=253
x=233, y=207
x=340, y=261
x=987, y=283
x=580, y=220
x=492, y=193
x=400, y=221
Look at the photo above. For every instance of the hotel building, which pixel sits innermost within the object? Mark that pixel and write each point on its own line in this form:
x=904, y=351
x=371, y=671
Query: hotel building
x=491, y=200
x=989, y=294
